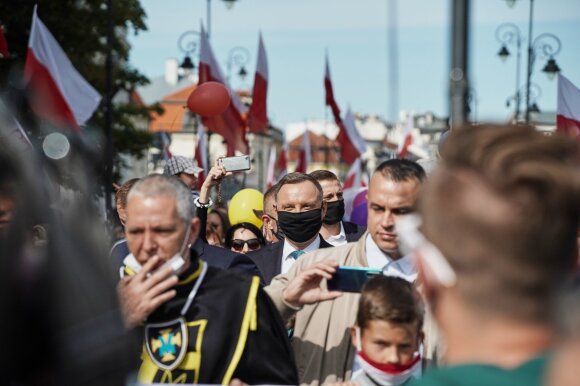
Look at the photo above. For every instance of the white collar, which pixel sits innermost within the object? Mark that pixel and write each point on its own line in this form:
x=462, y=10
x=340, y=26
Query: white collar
x=403, y=267
x=288, y=249
x=338, y=239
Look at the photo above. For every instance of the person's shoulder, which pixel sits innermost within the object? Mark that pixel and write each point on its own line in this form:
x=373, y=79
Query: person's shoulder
x=267, y=250
x=339, y=253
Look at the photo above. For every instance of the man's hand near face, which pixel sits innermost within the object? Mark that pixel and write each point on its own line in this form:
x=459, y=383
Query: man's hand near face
x=143, y=293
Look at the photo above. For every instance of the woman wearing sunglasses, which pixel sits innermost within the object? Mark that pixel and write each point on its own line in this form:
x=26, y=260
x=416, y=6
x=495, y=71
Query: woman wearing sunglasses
x=244, y=237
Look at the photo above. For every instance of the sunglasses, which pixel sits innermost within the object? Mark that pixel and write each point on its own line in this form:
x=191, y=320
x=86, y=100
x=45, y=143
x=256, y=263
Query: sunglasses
x=238, y=244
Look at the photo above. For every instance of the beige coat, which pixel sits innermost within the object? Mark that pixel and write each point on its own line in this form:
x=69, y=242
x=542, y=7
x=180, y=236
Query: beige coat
x=321, y=339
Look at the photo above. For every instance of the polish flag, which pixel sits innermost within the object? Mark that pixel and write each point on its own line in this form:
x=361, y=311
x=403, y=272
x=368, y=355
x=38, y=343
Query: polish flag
x=258, y=114
x=166, y=143
x=276, y=163
x=230, y=124
x=304, y=157
x=3, y=44
x=353, y=183
x=58, y=92
x=351, y=143
x=407, y=138
x=568, y=115
x=201, y=154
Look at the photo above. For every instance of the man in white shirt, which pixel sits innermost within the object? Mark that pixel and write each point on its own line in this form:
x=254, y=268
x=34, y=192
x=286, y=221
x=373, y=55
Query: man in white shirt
x=300, y=210
x=334, y=229
x=322, y=329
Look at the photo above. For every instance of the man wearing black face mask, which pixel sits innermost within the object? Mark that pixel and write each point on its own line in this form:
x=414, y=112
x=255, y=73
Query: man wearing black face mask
x=334, y=230
x=300, y=210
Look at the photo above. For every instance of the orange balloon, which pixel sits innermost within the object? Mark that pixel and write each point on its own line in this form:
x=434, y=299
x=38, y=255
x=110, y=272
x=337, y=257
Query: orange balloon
x=209, y=99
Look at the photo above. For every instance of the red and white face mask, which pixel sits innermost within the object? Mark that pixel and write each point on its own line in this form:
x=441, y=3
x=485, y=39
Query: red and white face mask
x=387, y=374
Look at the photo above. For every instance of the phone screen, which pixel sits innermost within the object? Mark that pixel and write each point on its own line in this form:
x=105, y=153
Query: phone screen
x=351, y=279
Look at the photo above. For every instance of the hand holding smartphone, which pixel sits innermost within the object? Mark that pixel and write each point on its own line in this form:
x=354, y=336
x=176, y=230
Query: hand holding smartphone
x=235, y=164
x=351, y=279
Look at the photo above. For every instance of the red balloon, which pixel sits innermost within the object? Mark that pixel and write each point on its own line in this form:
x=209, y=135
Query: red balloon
x=209, y=99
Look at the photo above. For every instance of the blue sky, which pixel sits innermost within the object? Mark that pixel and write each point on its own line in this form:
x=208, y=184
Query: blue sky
x=297, y=32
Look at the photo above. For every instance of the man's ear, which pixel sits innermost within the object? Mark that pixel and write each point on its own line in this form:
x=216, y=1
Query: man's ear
x=195, y=227
x=323, y=208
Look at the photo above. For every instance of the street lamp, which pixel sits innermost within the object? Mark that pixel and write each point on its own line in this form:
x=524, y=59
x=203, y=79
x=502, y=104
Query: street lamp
x=535, y=94
x=545, y=45
x=188, y=43
x=238, y=56
x=509, y=34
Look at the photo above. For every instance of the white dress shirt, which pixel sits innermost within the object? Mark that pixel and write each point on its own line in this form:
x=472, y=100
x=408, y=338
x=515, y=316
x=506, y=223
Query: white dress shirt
x=288, y=260
x=339, y=239
x=404, y=267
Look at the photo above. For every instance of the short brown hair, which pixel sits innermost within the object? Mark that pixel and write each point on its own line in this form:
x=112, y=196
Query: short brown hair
x=121, y=193
x=296, y=178
x=401, y=170
x=324, y=175
x=504, y=208
x=390, y=299
x=270, y=195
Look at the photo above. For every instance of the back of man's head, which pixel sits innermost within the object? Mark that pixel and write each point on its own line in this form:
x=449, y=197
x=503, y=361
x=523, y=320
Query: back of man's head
x=503, y=208
x=156, y=185
x=270, y=200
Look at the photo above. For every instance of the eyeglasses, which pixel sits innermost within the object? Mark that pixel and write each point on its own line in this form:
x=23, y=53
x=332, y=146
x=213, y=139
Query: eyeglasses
x=238, y=244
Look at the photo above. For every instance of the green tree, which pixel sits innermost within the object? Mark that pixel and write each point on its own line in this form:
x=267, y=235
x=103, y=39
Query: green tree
x=80, y=26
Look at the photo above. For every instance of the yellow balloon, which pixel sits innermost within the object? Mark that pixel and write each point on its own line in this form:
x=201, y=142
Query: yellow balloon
x=244, y=205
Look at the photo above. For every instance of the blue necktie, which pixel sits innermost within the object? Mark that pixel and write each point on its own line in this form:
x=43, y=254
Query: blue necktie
x=296, y=254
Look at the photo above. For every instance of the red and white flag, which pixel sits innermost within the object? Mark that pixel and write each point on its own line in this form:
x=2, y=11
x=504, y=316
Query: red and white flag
x=271, y=171
x=201, y=154
x=305, y=155
x=258, y=114
x=406, y=138
x=166, y=143
x=282, y=162
x=353, y=183
x=58, y=92
x=351, y=143
x=568, y=115
x=230, y=124
x=3, y=44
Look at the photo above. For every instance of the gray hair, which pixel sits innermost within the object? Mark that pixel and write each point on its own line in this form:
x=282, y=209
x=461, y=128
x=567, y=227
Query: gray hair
x=156, y=185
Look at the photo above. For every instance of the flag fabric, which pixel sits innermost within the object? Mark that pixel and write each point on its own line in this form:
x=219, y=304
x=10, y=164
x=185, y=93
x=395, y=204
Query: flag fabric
x=258, y=114
x=230, y=124
x=351, y=143
x=271, y=171
x=201, y=154
x=59, y=93
x=304, y=156
x=568, y=109
x=353, y=183
x=282, y=163
x=3, y=44
x=166, y=143
x=406, y=138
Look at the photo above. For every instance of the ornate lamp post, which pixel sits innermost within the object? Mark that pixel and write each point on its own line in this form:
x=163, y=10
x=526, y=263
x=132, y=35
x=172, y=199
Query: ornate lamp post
x=543, y=46
x=188, y=43
x=238, y=57
x=509, y=34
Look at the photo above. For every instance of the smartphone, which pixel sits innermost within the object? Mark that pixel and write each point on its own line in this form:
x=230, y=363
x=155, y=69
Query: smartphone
x=176, y=263
x=235, y=164
x=351, y=279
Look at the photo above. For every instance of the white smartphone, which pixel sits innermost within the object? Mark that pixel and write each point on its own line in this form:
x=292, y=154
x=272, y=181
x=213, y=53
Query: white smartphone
x=235, y=164
x=176, y=263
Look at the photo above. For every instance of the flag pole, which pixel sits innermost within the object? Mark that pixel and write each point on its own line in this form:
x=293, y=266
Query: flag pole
x=109, y=114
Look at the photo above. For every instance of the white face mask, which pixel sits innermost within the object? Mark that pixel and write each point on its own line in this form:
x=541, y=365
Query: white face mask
x=384, y=375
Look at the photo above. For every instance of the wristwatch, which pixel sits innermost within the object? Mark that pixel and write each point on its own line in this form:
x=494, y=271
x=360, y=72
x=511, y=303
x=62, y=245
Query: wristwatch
x=202, y=205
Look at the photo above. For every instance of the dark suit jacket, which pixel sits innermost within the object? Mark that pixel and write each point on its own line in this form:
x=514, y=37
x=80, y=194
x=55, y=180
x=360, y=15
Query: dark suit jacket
x=353, y=231
x=269, y=259
x=215, y=257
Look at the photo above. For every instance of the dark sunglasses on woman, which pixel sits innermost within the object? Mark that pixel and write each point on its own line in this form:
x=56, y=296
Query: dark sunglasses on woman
x=238, y=244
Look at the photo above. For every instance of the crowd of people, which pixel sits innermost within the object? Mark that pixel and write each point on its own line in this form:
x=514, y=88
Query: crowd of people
x=474, y=271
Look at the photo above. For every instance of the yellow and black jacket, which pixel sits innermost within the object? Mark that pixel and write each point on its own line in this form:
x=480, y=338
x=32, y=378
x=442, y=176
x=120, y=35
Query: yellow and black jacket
x=231, y=330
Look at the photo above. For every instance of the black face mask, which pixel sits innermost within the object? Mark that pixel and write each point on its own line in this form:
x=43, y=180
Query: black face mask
x=301, y=226
x=334, y=212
